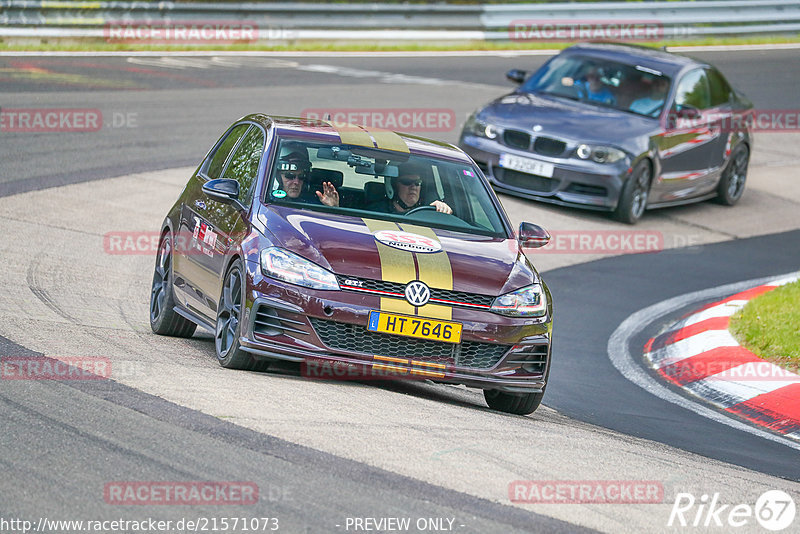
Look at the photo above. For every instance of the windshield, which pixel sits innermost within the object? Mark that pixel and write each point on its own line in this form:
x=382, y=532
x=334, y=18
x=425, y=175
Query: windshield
x=631, y=88
x=379, y=184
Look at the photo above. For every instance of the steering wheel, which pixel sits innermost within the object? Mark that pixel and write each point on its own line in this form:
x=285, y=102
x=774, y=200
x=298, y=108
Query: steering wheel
x=420, y=208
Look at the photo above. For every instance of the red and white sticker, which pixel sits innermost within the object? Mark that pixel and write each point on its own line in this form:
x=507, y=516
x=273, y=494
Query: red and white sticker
x=408, y=241
x=204, y=234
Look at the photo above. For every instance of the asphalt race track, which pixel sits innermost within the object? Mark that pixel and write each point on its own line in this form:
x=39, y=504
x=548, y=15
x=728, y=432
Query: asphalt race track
x=323, y=453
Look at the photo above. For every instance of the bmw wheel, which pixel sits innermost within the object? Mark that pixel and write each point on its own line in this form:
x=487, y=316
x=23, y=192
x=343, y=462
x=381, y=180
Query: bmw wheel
x=633, y=199
x=163, y=319
x=731, y=183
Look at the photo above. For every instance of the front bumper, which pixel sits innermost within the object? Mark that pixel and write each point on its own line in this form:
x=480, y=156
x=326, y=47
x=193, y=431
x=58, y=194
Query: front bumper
x=581, y=183
x=326, y=332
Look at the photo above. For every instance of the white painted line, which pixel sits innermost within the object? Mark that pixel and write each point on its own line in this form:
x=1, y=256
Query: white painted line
x=377, y=53
x=734, y=48
x=726, y=309
x=691, y=346
x=740, y=391
x=285, y=53
x=620, y=355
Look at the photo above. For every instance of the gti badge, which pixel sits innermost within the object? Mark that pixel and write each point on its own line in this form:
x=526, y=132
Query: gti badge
x=417, y=293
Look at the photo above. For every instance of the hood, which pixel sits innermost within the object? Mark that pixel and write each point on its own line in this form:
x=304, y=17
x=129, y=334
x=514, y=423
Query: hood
x=347, y=246
x=566, y=119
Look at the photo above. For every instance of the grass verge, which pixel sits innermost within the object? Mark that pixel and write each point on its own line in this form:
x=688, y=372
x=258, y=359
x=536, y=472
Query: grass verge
x=100, y=45
x=769, y=325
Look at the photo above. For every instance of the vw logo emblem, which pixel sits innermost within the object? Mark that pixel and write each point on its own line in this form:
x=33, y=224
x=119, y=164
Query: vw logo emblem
x=417, y=293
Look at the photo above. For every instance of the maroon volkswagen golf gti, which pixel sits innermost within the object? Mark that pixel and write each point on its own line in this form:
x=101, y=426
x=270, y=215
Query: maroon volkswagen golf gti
x=331, y=244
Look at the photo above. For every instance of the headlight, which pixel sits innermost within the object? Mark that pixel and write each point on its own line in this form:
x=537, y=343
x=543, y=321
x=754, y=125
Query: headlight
x=289, y=267
x=529, y=301
x=480, y=128
x=600, y=154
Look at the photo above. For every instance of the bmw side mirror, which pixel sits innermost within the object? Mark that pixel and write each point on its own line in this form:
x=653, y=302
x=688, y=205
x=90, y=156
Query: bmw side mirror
x=222, y=189
x=532, y=235
x=516, y=75
x=688, y=112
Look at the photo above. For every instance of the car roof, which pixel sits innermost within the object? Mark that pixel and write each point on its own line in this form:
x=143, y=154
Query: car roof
x=669, y=64
x=305, y=129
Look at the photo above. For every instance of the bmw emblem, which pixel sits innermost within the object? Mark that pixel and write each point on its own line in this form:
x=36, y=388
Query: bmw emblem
x=537, y=127
x=417, y=293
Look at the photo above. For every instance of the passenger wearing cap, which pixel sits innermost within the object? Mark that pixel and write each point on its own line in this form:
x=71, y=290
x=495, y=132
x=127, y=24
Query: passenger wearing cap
x=407, y=193
x=294, y=169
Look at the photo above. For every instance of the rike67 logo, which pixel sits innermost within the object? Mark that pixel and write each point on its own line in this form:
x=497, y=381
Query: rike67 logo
x=774, y=510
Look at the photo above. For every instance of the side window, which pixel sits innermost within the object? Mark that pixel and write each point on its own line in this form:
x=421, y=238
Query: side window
x=693, y=90
x=243, y=166
x=720, y=90
x=214, y=164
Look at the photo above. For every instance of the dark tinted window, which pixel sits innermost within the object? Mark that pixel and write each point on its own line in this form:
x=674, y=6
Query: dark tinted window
x=213, y=166
x=243, y=166
x=693, y=90
x=720, y=90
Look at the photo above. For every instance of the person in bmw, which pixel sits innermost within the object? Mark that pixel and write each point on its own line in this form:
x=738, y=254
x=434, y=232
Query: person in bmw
x=592, y=88
x=407, y=193
x=652, y=104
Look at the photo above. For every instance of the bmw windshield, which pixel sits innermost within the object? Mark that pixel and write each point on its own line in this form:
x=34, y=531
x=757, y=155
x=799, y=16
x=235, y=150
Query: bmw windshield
x=630, y=88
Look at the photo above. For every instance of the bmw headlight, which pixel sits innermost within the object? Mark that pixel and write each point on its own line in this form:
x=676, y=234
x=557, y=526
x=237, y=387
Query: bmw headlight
x=480, y=128
x=600, y=154
x=289, y=267
x=529, y=301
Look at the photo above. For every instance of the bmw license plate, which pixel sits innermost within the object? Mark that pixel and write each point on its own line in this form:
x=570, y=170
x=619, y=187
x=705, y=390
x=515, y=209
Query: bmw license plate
x=419, y=327
x=528, y=165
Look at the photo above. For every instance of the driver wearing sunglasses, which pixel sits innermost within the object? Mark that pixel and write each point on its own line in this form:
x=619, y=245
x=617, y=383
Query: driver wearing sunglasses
x=294, y=170
x=407, y=194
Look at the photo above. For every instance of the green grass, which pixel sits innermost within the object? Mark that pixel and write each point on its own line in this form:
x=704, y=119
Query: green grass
x=89, y=44
x=769, y=325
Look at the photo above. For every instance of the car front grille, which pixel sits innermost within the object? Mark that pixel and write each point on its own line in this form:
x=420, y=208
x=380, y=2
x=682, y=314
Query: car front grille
x=517, y=139
x=549, y=147
x=453, y=298
x=523, y=180
x=354, y=338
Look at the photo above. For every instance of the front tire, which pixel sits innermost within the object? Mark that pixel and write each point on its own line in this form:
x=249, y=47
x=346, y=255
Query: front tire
x=516, y=404
x=163, y=319
x=229, y=326
x=633, y=198
x=731, y=183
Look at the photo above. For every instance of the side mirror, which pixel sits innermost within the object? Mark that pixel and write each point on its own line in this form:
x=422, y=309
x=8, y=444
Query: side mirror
x=516, y=75
x=532, y=236
x=688, y=112
x=222, y=189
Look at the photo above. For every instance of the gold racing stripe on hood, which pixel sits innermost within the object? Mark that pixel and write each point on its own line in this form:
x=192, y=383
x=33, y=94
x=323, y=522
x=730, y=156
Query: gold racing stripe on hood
x=389, y=140
x=350, y=134
x=435, y=270
x=396, y=266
